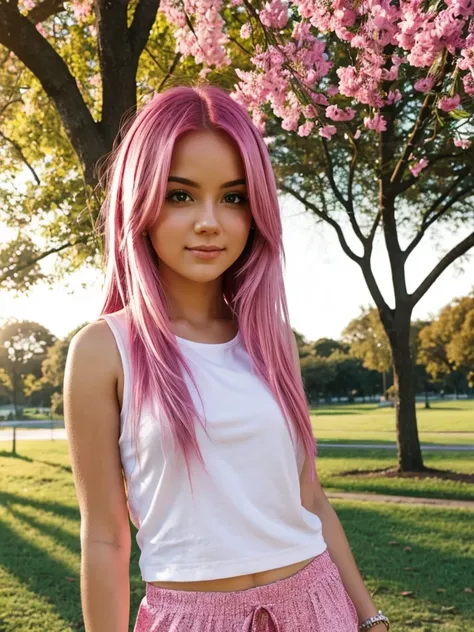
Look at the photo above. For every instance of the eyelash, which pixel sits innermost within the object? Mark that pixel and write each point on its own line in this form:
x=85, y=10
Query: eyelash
x=169, y=196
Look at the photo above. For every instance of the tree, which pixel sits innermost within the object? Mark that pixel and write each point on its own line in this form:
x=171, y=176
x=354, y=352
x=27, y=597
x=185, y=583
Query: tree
x=366, y=107
x=317, y=374
x=382, y=93
x=446, y=343
x=325, y=347
x=23, y=346
x=368, y=341
x=53, y=367
x=71, y=75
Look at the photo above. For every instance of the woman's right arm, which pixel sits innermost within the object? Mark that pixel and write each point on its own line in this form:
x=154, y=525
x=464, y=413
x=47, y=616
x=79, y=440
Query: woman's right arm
x=92, y=420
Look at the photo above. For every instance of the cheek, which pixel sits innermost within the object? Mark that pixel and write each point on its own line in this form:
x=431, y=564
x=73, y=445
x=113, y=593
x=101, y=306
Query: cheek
x=167, y=233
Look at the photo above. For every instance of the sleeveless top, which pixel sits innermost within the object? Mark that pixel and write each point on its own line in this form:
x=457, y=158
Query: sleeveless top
x=246, y=515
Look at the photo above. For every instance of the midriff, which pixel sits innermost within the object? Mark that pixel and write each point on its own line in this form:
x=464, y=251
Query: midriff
x=241, y=582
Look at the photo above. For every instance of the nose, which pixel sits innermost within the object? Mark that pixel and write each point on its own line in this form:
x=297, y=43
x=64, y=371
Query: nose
x=208, y=218
x=257, y=618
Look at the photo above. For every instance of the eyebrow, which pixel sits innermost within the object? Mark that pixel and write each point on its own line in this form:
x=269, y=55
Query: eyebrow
x=190, y=183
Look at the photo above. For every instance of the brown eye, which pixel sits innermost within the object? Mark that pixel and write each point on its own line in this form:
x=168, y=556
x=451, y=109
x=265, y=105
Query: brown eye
x=177, y=196
x=241, y=199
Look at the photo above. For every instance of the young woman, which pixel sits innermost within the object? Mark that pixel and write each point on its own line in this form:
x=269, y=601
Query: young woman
x=188, y=387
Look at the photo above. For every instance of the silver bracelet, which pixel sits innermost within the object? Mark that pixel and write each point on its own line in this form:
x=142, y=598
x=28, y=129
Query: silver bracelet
x=372, y=621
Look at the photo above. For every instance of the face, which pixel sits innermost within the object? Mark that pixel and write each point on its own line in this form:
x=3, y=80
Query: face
x=205, y=204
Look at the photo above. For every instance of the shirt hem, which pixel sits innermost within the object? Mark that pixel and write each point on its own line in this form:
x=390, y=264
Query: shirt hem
x=232, y=568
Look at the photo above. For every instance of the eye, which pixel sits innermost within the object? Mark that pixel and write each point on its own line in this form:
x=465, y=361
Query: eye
x=242, y=199
x=177, y=196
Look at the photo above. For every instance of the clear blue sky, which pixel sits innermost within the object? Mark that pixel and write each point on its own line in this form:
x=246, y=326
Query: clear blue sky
x=324, y=288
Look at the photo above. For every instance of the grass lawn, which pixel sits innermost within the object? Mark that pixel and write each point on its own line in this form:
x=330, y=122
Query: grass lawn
x=397, y=548
x=444, y=422
x=332, y=462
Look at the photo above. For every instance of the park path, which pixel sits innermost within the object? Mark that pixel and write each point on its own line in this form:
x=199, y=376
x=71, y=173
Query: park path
x=404, y=500
x=44, y=434
x=392, y=446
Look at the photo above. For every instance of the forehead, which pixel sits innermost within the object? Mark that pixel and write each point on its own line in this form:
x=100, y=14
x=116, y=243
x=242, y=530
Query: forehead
x=206, y=155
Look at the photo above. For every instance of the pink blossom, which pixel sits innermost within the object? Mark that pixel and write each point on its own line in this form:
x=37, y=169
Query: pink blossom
x=468, y=83
x=381, y=40
x=462, y=142
x=275, y=14
x=337, y=114
x=357, y=134
x=393, y=96
x=447, y=104
x=306, y=129
x=245, y=30
x=418, y=167
x=377, y=123
x=425, y=84
x=327, y=131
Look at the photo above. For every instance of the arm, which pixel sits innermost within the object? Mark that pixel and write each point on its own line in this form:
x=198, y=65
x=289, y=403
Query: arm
x=91, y=415
x=315, y=500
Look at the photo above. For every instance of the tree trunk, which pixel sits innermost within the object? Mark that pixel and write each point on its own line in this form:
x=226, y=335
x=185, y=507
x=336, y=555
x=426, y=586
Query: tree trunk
x=409, y=451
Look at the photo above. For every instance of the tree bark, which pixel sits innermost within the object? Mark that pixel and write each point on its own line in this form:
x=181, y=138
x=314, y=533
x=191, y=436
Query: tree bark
x=409, y=451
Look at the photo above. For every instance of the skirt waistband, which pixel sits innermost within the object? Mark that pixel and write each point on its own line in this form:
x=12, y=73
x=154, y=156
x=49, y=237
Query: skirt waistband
x=320, y=568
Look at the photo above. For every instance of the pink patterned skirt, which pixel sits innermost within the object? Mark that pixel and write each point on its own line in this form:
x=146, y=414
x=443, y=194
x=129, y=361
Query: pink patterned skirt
x=312, y=600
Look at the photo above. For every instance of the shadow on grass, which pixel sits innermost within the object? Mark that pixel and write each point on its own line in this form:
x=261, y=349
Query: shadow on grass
x=424, y=567
x=366, y=471
x=369, y=532
x=47, y=576
x=58, y=466
x=12, y=455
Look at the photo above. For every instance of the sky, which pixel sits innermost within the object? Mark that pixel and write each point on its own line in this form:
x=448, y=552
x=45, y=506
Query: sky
x=324, y=288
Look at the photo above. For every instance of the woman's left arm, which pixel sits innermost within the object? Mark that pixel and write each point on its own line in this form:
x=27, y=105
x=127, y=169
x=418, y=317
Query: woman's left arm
x=342, y=556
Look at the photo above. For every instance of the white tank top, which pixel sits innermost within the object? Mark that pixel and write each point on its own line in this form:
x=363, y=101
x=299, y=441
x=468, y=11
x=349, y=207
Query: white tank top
x=247, y=514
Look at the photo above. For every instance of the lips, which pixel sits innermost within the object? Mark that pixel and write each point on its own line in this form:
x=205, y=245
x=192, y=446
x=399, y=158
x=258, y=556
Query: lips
x=202, y=249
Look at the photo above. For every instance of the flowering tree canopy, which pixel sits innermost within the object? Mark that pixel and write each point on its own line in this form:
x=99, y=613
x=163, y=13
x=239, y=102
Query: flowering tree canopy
x=426, y=46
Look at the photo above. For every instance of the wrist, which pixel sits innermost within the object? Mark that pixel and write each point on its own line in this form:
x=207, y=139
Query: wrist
x=375, y=623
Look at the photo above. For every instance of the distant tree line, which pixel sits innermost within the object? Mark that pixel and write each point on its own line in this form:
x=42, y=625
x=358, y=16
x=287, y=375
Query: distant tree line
x=360, y=363
x=32, y=359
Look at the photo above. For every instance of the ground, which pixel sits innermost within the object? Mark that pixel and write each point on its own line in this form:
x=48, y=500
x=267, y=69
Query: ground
x=417, y=560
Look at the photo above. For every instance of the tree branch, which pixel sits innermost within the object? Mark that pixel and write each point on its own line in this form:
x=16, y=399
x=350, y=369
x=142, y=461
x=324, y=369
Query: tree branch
x=143, y=20
x=22, y=156
x=46, y=9
x=347, y=204
x=43, y=255
x=416, y=132
x=171, y=70
x=324, y=216
x=441, y=266
x=429, y=219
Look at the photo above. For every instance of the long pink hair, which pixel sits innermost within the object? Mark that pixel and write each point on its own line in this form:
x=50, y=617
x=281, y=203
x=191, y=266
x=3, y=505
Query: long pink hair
x=252, y=287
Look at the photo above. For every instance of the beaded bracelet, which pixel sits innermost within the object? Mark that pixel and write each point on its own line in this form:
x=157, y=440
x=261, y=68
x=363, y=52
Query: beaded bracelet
x=373, y=621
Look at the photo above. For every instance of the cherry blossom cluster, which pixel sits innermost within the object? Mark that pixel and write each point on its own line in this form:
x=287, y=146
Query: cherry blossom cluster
x=199, y=31
x=291, y=67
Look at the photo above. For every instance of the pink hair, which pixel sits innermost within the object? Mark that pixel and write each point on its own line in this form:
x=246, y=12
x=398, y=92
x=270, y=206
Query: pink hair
x=252, y=287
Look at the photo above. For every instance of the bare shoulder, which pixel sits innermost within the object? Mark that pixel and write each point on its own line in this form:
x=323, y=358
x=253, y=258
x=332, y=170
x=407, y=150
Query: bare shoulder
x=94, y=346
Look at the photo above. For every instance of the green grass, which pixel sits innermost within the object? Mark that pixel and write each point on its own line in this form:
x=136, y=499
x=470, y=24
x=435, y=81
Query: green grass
x=40, y=550
x=332, y=462
x=445, y=422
